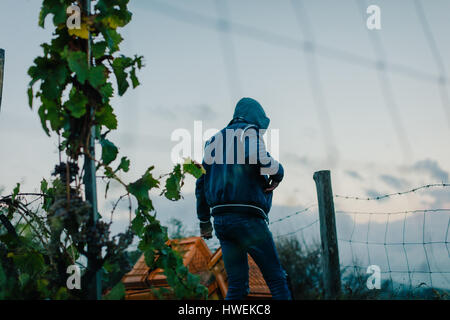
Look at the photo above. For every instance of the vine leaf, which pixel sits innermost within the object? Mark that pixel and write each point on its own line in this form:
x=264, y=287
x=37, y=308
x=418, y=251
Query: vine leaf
x=119, y=66
x=124, y=165
x=30, y=96
x=50, y=111
x=106, y=117
x=116, y=293
x=82, y=32
x=57, y=8
x=97, y=76
x=77, y=61
x=140, y=189
x=98, y=49
x=109, y=151
x=113, y=39
x=77, y=103
x=193, y=168
x=173, y=184
x=16, y=191
x=137, y=225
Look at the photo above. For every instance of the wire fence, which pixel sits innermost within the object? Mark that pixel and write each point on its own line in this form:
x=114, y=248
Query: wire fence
x=413, y=263
x=416, y=258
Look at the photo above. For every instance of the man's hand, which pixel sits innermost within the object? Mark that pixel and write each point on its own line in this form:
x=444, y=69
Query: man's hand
x=272, y=186
x=206, y=229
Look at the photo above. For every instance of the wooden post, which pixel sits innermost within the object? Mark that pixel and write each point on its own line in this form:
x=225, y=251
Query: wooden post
x=2, y=66
x=328, y=235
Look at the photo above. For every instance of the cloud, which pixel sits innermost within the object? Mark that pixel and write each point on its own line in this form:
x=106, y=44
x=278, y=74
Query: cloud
x=203, y=112
x=397, y=183
x=432, y=168
x=441, y=198
x=195, y=112
x=354, y=175
x=301, y=160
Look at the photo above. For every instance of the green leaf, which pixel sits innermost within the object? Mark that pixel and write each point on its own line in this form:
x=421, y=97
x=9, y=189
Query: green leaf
x=52, y=73
x=193, y=168
x=109, y=267
x=119, y=65
x=134, y=79
x=29, y=262
x=97, y=76
x=52, y=113
x=109, y=151
x=124, y=165
x=98, y=49
x=30, y=96
x=173, y=184
x=44, y=186
x=113, y=39
x=77, y=61
x=55, y=7
x=140, y=189
x=77, y=103
x=106, y=91
x=149, y=256
x=73, y=251
x=42, y=15
x=16, y=191
x=116, y=293
x=107, y=188
x=114, y=21
x=137, y=225
x=106, y=117
x=42, y=116
x=49, y=89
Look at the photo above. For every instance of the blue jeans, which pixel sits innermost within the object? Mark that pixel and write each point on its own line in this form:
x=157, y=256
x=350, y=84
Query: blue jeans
x=240, y=234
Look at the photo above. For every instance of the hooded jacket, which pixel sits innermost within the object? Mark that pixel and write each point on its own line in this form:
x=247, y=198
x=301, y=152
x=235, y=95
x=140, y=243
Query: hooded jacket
x=238, y=167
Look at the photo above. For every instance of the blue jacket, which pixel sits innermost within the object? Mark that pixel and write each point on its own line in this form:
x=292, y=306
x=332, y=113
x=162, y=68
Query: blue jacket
x=238, y=167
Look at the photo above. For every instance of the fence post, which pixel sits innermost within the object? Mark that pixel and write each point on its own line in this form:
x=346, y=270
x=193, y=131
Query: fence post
x=328, y=235
x=2, y=65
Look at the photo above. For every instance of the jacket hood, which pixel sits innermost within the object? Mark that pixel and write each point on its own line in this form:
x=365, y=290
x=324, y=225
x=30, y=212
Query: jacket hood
x=252, y=112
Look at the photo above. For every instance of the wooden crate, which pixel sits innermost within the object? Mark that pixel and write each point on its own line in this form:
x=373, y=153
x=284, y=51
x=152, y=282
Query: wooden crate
x=257, y=284
x=196, y=256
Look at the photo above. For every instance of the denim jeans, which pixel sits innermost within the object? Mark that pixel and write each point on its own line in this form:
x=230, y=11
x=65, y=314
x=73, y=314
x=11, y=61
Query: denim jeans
x=240, y=234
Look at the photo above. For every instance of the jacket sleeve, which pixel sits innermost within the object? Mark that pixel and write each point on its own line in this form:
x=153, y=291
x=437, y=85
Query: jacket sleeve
x=203, y=212
x=257, y=153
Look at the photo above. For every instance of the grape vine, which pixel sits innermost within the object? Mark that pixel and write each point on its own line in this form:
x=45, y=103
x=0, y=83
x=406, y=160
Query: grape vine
x=71, y=87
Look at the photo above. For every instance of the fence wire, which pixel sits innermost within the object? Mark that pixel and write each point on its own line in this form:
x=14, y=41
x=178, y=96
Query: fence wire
x=426, y=245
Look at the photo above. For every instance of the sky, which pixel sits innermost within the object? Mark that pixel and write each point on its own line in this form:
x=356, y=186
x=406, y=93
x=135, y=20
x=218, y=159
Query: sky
x=329, y=105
